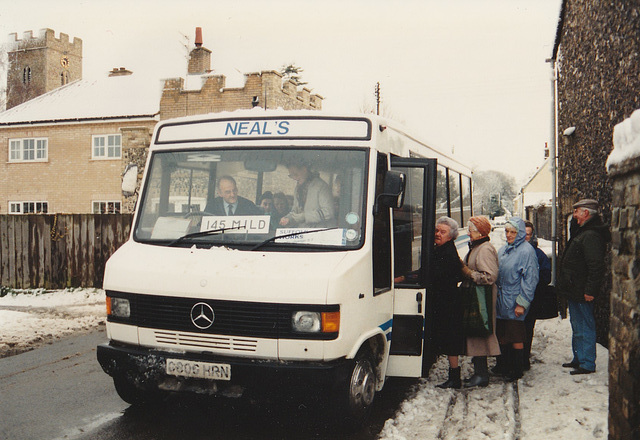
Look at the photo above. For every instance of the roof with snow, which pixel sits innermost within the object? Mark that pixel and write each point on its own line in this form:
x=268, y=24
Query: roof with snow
x=113, y=97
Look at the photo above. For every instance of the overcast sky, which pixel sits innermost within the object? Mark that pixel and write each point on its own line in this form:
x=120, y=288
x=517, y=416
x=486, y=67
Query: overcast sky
x=467, y=75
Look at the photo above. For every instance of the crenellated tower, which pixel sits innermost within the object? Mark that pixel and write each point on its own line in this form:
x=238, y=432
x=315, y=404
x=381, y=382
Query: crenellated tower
x=40, y=64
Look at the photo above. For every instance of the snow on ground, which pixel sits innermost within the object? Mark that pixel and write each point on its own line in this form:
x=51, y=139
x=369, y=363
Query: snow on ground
x=552, y=403
x=29, y=318
x=549, y=403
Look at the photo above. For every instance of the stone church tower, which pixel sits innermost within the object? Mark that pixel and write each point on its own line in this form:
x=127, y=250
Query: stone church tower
x=40, y=64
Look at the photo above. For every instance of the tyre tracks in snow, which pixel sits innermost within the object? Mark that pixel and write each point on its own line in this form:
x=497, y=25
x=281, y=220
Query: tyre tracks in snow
x=491, y=412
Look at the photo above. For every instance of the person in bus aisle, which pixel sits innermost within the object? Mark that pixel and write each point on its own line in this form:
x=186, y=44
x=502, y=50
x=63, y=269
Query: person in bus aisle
x=229, y=202
x=517, y=281
x=280, y=208
x=313, y=204
x=444, y=276
x=481, y=266
x=265, y=202
x=544, y=266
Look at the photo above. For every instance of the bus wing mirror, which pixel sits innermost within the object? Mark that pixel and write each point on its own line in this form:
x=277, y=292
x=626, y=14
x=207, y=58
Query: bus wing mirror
x=393, y=192
x=130, y=180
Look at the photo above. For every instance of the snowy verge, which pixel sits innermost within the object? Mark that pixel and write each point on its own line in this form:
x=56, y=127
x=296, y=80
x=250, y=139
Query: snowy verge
x=29, y=318
x=547, y=403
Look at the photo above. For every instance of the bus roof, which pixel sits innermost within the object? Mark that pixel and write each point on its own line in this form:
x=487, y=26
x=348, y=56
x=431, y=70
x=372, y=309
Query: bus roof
x=298, y=127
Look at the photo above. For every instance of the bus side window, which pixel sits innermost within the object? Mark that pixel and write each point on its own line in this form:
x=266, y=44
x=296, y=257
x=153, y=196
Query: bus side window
x=381, y=236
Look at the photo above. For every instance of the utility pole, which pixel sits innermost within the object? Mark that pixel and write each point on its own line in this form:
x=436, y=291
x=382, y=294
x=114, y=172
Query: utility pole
x=377, y=94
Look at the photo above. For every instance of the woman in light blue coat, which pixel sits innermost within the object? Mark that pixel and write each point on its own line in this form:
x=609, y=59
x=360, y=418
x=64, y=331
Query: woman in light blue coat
x=517, y=281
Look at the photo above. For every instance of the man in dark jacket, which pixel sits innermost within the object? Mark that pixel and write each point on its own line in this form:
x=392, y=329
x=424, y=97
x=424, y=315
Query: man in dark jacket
x=582, y=272
x=229, y=202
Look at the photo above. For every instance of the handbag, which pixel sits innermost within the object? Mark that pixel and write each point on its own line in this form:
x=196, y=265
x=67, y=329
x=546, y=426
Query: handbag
x=477, y=309
x=545, y=303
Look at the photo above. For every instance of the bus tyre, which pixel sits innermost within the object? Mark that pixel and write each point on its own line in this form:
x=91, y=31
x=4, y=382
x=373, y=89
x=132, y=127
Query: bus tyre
x=360, y=389
x=128, y=391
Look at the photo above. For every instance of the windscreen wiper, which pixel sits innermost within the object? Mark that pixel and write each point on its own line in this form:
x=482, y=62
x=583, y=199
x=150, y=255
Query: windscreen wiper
x=275, y=237
x=202, y=234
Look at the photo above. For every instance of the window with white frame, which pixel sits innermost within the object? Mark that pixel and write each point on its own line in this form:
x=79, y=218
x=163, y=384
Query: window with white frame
x=107, y=146
x=28, y=150
x=106, y=207
x=28, y=207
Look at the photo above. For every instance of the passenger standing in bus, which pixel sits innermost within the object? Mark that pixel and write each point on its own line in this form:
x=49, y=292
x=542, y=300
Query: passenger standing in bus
x=313, y=203
x=444, y=276
x=481, y=266
x=516, y=283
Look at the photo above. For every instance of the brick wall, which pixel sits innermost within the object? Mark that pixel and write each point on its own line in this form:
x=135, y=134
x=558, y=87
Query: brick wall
x=70, y=180
x=624, y=345
x=214, y=97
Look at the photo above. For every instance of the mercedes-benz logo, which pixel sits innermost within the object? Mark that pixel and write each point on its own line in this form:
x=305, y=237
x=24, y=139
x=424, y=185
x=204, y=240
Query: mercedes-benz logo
x=202, y=315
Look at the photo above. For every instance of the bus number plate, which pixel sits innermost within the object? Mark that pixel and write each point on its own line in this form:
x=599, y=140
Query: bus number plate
x=203, y=370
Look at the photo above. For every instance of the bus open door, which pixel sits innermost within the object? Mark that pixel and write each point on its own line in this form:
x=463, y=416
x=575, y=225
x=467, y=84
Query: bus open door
x=411, y=353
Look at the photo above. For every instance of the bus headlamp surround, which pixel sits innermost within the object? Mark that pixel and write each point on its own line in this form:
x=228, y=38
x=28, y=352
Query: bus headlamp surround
x=306, y=322
x=118, y=307
x=315, y=322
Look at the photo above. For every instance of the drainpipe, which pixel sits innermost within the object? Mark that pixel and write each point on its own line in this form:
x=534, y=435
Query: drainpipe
x=554, y=157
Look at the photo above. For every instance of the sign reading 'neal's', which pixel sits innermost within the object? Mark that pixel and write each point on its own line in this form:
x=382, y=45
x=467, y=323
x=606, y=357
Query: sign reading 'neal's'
x=267, y=128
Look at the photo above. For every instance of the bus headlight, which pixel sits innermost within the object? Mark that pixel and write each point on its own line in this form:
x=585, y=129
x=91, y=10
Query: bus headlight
x=118, y=307
x=306, y=322
x=315, y=322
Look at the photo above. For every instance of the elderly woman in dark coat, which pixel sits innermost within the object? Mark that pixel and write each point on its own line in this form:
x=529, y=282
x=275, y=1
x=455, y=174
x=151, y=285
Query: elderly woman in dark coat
x=443, y=281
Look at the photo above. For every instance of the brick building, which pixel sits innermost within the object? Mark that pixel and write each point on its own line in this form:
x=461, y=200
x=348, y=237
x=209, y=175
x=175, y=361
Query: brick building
x=205, y=92
x=596, y=55
x=68, y=142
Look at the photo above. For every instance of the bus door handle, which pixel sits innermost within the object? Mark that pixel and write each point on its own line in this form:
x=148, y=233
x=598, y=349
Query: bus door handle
x=419, y=300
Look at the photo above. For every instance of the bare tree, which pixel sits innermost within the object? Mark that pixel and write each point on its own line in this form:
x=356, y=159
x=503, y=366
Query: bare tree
x=493, y=192
x=4, y=65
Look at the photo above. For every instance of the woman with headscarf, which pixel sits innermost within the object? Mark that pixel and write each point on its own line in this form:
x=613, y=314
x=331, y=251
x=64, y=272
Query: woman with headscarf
x=481, y=266
x=517, y=281
x=447, y=312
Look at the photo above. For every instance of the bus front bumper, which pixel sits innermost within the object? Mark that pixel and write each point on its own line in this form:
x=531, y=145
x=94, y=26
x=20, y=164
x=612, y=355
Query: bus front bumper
x=207, y=373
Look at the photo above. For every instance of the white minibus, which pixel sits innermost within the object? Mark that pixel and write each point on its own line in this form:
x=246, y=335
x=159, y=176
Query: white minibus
x=323, y=285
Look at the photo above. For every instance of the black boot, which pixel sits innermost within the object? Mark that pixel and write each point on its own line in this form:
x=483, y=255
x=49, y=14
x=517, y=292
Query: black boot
x=515, y=370
x=501, y=367
x=454, y=379
x=480, y=376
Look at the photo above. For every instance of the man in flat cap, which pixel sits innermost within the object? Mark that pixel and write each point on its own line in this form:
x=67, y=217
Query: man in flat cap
x=582, y=272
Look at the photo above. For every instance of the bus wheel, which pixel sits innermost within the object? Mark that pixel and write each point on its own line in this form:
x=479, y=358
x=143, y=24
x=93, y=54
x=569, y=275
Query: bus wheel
x=361, y=388
x=129, y=392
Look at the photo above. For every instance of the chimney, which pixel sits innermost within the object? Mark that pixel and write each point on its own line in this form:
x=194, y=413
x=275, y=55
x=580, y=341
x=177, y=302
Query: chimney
x=200, y=57
x=120, y=72
x=198, y=37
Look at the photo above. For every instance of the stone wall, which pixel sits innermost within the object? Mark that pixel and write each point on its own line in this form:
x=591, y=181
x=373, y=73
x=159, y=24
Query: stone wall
x=624, y=343
x=135, y=149
x=213, y=97
x=43, y=56
x=598, y=83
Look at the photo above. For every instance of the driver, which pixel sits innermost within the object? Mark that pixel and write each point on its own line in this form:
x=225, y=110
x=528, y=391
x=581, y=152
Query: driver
x=229, y=202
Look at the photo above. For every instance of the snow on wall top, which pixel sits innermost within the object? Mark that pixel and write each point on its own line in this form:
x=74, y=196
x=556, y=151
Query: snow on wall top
x=110, y=97
x=626, y=140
